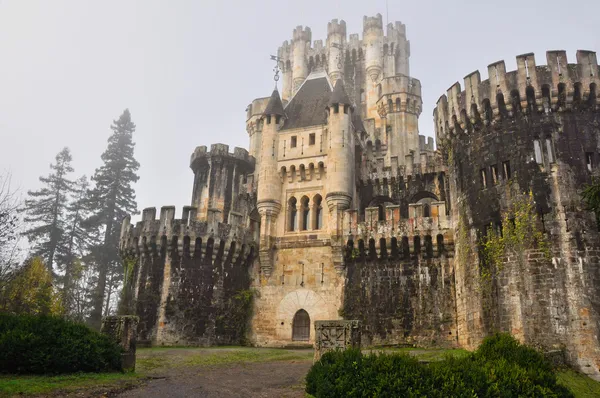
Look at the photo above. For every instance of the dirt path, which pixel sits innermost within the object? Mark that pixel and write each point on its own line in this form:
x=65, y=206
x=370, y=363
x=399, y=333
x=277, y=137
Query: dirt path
x=277, y=378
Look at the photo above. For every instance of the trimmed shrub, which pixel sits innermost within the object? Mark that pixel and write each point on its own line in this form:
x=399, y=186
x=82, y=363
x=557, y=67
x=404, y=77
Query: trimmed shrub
x=501, y=367
x=47, y=344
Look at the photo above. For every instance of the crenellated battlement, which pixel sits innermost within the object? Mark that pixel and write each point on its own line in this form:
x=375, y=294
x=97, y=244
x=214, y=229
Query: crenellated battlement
x=397, y=28
x=154, y=234
x=373, y=23
x=302, y=34
x=393, y=236
x=335, y=27
x=415, y=165
x=555, y=87
x=221, y=150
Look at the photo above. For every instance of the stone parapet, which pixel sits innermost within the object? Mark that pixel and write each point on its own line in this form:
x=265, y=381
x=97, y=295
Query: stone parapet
x=186, y=233
x=555, y=87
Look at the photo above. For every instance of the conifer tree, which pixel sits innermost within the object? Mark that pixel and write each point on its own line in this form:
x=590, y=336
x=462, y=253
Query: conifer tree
x=45, y=209
x=76, y=240
x=111, y=200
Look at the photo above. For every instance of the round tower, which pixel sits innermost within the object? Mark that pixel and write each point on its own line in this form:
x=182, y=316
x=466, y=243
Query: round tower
x=301, y=41
x=340, y=156
x=285, y=54
x=372, y=43
x=520, y=146
x=336, y=41
x=268, y=197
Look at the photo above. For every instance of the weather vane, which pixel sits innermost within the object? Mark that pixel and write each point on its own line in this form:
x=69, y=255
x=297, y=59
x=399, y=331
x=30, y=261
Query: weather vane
x=276, y=68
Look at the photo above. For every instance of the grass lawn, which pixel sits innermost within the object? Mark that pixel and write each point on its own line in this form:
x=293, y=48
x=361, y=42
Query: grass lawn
x=11, y=385
x=150, y=361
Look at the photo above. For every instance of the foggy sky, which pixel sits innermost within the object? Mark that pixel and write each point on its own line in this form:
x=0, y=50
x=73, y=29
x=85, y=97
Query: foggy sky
x=188, y=69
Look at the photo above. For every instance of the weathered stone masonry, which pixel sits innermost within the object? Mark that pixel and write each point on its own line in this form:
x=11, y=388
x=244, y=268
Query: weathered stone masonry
x=532, y=130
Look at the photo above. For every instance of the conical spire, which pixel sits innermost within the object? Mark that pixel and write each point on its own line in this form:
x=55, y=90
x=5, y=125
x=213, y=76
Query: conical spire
x=275, y=106
x=339, y=96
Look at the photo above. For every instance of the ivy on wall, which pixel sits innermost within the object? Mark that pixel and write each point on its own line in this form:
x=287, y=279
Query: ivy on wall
x=518, y=233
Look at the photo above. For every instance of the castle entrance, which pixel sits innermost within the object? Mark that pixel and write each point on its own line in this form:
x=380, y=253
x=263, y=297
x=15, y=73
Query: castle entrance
x=301, y=326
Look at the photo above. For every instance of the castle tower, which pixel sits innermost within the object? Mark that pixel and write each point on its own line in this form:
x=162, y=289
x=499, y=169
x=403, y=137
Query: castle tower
x=301, y=41
x=523, y=144
x=373, y=44
x=336, y=41
x=285, y=54
x=217, y=178
x=340, y=162
x=269, y=187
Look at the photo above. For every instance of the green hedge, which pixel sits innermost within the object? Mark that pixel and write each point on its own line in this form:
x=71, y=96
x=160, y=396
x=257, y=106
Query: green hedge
x=501, y=367
x=46, y=344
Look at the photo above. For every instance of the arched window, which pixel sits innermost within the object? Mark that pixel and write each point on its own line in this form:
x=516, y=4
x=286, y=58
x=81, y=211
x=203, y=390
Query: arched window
x=301, y=326
x=390, y=105
x=381, y=212
x=318, y=212
x=292, y=214
x=426, y=210
x=362, y=96
x=305, y=213
x=397, y=104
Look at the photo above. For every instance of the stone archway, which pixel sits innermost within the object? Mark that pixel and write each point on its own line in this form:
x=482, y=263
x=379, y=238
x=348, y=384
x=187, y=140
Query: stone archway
x=301, y=326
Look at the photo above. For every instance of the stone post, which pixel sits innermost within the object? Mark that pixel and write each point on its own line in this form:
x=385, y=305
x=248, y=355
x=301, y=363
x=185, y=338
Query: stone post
x=123, y=329
x=336, y=335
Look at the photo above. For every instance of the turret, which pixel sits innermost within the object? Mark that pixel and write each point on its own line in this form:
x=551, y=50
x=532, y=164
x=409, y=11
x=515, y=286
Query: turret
x=302, y=38
x=336, y=40
x=340, y=157
x=285, y=54
x=269, y=187
x=372, y=43
x=372, y=40
x=217, y=177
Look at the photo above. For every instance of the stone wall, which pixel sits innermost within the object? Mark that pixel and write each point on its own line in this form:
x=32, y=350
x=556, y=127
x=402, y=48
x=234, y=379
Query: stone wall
x=191, y=286
x=401, y=297
x=533, y=132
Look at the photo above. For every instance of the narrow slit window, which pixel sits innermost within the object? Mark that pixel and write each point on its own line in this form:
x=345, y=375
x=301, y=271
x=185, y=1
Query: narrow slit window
x=537, y=148
x=482, y=178
x=589, y=160
x=506, y=169
x=550, y=150
x=311, y=139
x=294, y=142
x=494, y=173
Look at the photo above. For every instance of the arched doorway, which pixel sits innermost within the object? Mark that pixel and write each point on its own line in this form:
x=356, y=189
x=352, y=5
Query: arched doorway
x=301, y=326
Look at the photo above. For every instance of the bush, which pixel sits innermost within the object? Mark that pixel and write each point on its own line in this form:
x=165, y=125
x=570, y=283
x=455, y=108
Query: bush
x=47, y=344
x=501, y=367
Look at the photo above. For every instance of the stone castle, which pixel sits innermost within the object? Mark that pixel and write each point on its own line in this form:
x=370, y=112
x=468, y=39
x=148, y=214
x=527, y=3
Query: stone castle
x=341, y=210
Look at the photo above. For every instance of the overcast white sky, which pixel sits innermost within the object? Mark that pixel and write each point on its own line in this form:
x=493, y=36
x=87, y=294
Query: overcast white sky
x=188, y=69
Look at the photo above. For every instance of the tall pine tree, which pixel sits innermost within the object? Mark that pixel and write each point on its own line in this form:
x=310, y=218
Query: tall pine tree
x=76, y=240
x=111, y=200
x=45, y=210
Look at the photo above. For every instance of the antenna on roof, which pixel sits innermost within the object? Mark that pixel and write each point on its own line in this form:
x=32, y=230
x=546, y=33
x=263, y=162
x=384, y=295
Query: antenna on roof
x=276, y=68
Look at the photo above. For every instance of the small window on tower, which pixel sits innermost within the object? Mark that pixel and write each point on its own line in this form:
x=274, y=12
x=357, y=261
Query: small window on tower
x=494, y=172
x=311, y=139
x=537, y=149
x=294, y=142
x=482, y=178
x=589, y=159
x=506, y=169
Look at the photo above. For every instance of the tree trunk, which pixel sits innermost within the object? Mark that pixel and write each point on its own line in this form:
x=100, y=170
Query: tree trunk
x=98, y=301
